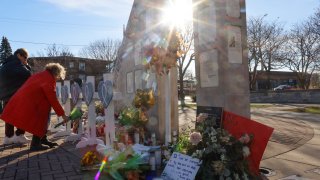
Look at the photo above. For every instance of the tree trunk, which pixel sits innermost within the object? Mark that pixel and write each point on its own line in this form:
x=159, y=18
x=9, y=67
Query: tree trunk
x=181, y=91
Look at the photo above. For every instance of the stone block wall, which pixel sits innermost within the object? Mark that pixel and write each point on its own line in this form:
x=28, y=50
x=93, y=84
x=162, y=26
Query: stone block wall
x=289, y=96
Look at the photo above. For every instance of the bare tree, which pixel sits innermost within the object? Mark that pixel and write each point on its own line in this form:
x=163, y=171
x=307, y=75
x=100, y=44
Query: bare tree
x=103, y=50
x=265, y=41
x=54, y=51
x=315, y=81
x=315, y=21
x=187, y=55
x=303, y=52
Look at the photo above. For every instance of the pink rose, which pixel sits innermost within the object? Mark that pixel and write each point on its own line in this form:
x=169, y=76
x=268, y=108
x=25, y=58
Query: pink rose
x=201, y=117
x=195, y=138
x=245, y=139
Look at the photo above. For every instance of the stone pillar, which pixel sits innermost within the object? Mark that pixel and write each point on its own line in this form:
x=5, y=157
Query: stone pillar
x=221, y=55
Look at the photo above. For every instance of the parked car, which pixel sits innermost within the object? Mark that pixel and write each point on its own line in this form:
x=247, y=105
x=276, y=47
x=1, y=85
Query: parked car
x=282, y=87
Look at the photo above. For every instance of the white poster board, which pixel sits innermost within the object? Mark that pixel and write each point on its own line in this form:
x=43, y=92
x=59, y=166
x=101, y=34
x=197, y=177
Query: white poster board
x=207, y=26
x=137, y=52
x=233, y=8
x=234, y=45
x=138, y=79
x=181, y=167
x=209, y=75
x=130, y=82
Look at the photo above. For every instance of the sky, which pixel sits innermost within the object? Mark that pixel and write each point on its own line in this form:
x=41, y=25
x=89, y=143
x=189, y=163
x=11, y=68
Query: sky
x=35, y=24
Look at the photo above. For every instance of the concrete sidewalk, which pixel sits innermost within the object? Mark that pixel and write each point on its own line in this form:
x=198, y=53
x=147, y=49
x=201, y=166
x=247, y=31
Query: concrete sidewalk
x=17, y=162
x=292, y=152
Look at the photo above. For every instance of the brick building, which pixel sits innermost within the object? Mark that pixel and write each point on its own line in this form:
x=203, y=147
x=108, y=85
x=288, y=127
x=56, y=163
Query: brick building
x=76, y=67
x=276, y=78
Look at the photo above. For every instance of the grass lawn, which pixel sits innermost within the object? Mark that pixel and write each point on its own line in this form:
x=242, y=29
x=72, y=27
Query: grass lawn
x=260, y=105
x=308, y=109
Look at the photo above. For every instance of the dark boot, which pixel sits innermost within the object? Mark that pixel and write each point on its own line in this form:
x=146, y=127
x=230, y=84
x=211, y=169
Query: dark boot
x=45, y=141
x=36, y=144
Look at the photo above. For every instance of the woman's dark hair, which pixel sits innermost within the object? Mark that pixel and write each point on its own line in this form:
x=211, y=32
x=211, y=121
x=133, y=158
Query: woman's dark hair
x=22, y=52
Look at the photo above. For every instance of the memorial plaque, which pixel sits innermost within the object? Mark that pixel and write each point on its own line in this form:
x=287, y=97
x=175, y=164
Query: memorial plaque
x=64, y=94
x=138, y=79
x=87, y=92
x=214, y=114
x=234, y=45
x=105, y=92
x=233, y=8
x=209, y=74
x=207, y=27
x=130, y=82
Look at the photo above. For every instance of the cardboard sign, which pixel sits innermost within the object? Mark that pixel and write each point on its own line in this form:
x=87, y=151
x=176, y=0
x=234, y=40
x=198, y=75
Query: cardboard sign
x=238, y=125
x=64, y=94
x=181, y=167
x=75, y=92
x=105, y=92
x=214, y=114
x=87, y=92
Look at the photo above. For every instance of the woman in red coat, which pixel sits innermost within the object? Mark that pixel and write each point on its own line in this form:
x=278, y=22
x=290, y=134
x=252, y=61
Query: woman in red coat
x=28, y=109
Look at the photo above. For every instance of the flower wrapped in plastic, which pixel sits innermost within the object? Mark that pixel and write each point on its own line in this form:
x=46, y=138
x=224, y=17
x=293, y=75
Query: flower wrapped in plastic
x=162, y=56
x=222, y=155
x=144, y=98
x=131, y=116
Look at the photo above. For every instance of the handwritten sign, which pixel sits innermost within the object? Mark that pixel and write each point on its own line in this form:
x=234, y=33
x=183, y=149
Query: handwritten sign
x=181, y=167
x=75, y=92
x=64, y=94
x=87, y=92
x=105, y=92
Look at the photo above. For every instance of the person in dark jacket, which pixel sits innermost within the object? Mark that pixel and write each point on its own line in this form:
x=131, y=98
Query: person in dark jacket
x=29, y=107
x=13, y=73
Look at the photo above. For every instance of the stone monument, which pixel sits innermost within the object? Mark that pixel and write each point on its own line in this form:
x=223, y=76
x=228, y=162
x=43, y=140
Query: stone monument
x=221, y=55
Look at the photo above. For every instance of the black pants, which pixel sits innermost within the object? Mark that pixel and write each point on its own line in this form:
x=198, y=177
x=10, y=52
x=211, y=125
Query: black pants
x=36, y=140
x=9, y=129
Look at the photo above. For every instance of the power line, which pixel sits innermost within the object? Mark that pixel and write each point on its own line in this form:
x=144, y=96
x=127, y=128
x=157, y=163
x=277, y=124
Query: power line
x=29, y=42
x=49, y=22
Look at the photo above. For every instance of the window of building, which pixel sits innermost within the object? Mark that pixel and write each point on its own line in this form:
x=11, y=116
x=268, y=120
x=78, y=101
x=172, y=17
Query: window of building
x=82, y=66
x=71, y=64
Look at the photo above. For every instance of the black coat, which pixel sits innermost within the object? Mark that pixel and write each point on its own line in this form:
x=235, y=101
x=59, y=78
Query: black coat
x=13, y=73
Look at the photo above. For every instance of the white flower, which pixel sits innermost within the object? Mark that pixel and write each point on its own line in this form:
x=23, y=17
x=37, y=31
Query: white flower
x=198, y=154
x=214, y=139
x=195, y=138
x=245, y=151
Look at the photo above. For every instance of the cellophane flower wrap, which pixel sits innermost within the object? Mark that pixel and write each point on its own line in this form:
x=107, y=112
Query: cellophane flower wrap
x=222, y=155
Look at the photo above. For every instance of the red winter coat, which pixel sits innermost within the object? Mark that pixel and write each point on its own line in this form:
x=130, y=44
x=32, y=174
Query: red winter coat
x=30, y=106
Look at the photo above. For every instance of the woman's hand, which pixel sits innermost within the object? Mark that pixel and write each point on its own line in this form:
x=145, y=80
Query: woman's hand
x=65, y=118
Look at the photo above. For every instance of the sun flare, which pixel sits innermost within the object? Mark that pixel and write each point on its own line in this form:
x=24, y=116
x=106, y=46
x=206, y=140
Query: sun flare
x=177, y=13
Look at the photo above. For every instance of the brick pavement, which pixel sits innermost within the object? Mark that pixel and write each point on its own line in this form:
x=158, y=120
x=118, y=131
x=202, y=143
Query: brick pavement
x=60, y=163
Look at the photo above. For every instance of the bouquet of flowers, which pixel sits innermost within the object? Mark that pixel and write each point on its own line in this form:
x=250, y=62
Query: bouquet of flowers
x=161, y=56
x=222, y=155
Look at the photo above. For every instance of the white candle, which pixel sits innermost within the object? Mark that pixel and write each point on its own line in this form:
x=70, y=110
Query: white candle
x=153, y=139
x=158, y=157
x=152, y=163
x=136, y=138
